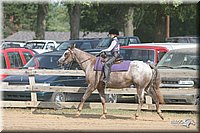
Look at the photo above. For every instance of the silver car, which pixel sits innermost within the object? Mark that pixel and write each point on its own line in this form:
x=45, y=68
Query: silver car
x=179, y=70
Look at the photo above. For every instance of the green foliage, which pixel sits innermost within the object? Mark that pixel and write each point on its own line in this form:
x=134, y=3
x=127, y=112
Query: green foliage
x=101, y=17
x=58, y=18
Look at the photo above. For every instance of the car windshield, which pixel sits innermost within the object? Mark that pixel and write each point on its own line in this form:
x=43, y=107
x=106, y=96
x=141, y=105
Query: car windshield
x=104, y=43
x=175, y=60
x=63, y=46
x=35, y=45
x=138, y=54
x=44, y=62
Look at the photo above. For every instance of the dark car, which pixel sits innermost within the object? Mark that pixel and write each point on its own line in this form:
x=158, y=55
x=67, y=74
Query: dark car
x=82, y=44
x=183, y=39
x=179, y=69
x=48, y=61
x=105, y=43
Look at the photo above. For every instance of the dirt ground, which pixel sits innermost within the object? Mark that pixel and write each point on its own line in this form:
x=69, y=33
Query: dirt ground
x=64, y=120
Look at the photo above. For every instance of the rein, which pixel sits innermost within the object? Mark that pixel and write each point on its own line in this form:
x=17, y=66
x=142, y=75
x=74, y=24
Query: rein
x=85, y=60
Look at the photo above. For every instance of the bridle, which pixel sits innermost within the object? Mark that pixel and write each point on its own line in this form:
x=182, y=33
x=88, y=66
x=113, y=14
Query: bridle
x=74, y=59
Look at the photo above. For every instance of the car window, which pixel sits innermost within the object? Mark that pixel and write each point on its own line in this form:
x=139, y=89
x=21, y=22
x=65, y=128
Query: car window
x=133, y=41
x=44, y=62
x=160, y=55
x=35, y=45
x=3, y=61
x=50, y=46
x=122, y=41
x=85, y=45
x=27, y=56
x=63, y=46
x=176, y=60
x=15, y=60
x=104, y=43
x=138, y=54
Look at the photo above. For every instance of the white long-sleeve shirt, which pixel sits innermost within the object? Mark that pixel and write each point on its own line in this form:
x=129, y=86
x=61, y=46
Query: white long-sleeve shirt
x=112, y=45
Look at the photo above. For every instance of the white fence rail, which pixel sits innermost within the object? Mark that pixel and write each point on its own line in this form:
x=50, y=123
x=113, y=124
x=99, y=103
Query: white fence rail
x=34, y=87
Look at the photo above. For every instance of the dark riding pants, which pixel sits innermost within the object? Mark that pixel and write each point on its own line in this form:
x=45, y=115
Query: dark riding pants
x=108, y=64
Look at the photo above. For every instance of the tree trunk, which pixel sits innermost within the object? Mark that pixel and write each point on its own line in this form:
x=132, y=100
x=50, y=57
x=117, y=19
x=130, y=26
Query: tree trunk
x=74, y=13
x=160, y=30
x=41, y=25
x=128, y=23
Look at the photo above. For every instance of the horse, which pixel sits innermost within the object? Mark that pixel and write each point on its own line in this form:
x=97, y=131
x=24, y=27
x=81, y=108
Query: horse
x=146, y=78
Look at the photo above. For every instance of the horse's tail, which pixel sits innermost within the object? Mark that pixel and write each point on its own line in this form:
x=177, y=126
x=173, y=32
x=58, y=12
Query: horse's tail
x=156, y=83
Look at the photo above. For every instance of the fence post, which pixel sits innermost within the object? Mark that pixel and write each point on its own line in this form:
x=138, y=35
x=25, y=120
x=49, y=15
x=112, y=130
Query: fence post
x=31, y=77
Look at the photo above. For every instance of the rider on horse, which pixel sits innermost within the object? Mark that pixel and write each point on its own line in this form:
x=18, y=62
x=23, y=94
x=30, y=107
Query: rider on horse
x=114, y=49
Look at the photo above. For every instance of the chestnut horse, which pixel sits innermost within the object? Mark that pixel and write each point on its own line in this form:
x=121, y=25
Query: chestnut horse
x=144, y=77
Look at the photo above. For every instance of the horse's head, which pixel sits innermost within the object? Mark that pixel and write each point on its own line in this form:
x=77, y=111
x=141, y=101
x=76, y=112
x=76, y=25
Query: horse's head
x=68, y=56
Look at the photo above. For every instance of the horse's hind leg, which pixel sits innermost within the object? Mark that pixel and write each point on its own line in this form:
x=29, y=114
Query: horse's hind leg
x=87, y=93
x=151, y=92
x=102, y=95
x=140, y=94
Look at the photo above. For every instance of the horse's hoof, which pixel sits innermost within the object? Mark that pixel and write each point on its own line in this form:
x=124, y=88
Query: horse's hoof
x=161, y=116
x=103, y=117
x=78, y=114
x=133, y=118
x=136, y=116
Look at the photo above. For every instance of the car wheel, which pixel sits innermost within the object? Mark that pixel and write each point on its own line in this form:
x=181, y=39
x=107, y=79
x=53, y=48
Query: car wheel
x=111, y=98
x=197, y=100
x=58, y=97
x=136, y=99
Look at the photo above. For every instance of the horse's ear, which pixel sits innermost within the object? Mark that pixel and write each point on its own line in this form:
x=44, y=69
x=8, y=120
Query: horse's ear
x=72, y=46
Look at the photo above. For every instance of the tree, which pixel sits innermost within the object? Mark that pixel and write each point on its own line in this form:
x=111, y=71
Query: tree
x=41, y=25
x=74, y=11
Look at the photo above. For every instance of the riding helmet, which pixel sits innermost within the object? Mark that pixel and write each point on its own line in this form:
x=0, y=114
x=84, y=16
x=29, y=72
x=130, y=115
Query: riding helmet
x=114, y=31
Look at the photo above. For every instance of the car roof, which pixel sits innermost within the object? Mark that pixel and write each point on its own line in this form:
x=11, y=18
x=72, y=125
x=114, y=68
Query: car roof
x=185, y=50
x=51, y=53
x=16, y=49
x=41, y=41
x=85, y=40
x=145, y=47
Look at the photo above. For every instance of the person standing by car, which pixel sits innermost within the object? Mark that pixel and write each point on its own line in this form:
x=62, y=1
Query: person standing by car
x=114, y=50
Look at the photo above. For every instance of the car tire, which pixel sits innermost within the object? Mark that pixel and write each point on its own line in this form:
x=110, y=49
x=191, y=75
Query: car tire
x=58, y=97
x=197, y=100
x=111, y=98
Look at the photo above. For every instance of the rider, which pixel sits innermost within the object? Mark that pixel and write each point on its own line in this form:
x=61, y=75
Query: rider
x=114, y=49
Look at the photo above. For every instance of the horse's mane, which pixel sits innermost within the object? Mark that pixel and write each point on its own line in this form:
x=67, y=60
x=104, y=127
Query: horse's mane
x=88, y=54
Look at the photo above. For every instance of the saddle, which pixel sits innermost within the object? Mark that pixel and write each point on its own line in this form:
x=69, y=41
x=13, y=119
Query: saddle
x=117, y=61
x=119, y=64
x=105, y=57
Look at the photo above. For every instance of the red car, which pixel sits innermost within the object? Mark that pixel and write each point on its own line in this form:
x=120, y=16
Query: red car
x=14, y=58
x=146, y=53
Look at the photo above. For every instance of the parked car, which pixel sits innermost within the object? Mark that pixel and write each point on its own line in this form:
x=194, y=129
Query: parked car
x=5, y=45
x=82, y=44
x=41, y=46
x=145, y=53
x=183, y=39
x=171, y=46
x=179, y=69
x=123, y=41
x=14, y=58
x=48, y=60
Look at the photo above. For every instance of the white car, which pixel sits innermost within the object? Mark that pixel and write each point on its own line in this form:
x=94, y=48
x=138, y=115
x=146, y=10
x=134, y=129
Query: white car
x=172, y=46
x=41, y=46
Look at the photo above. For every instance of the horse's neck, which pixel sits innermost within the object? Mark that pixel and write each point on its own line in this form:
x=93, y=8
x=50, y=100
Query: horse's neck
x=83, y=59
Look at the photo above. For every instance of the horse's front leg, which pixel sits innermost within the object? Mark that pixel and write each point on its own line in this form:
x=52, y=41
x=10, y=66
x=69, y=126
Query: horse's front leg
x=87, y=93
x=140, y=94
x=102, y=95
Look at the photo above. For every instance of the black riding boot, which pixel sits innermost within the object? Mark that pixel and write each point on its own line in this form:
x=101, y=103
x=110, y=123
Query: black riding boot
x=107, y=67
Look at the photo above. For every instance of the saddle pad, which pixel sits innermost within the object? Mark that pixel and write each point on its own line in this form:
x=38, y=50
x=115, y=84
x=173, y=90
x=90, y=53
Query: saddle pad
x=115, y=67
